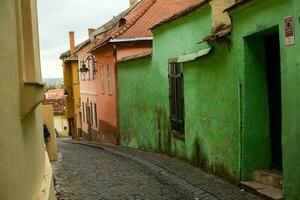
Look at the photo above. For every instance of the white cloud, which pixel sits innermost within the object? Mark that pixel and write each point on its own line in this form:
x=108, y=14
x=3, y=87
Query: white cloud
x=58, y=17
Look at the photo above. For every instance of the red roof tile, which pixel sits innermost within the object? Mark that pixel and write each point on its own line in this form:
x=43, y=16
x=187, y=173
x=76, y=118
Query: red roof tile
x=145, y=15
x=160, y=10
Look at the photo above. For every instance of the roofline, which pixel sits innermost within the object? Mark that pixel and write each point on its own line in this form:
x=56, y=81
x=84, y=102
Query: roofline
x=237, y=5
x=102, y=44
x=177, y=15
x=130, y=39
x=124, y=13
x=82, y=45
x=135, y=57
x=70, y=59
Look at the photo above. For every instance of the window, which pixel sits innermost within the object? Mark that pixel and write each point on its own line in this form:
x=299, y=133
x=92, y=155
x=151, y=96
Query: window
x=122, y=22
x=96, y=117
x=109, y=89
x=83, y=112
x=176, y=97
x=91, y=112
x=101, y=79
x=87, y=109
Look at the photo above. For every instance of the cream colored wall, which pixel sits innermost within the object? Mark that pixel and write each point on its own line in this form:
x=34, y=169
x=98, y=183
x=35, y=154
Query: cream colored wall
x=22, y=152
x=218, y=17
x=60, y=122
x=48, y=119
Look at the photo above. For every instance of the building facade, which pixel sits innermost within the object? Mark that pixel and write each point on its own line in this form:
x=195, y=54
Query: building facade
x=71, y=85
x=222, y=100
x=56, y=98
x=25, y=167
x=266, y=62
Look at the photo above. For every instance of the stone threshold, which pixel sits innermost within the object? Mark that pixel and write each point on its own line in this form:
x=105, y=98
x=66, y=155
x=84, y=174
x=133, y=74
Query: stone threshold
x=263, y=190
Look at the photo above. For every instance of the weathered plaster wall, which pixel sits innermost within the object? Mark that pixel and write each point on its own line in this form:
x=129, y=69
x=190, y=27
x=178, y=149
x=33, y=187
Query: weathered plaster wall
x=60, y=122
x=107, y=102
x=89, y=90
x=219, y=17
x=128, y=49
x=71, y=86
x=257, y=17
x=48, y=120
x=211, y=99
x=22, y=152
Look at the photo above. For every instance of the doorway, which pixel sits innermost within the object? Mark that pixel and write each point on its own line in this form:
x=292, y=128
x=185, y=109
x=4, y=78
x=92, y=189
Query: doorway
x=262, y=106
x=274, y=94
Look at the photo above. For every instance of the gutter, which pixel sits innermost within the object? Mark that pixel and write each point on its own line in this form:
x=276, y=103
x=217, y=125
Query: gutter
x=99, y=46
x=237, y=5
x=131, y=39
x=130, y=58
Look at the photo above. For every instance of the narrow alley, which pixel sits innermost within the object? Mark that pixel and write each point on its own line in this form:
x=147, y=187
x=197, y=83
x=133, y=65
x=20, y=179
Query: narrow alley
x=106, y=172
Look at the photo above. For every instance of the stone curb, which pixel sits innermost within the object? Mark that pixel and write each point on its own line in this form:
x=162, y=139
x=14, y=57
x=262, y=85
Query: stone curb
x=158, y=172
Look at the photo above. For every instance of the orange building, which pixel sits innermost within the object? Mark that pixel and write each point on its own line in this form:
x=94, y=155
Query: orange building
x=88, y=121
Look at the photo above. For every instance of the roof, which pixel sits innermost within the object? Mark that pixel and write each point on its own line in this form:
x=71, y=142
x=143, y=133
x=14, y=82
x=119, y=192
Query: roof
x=129, y=58
x=181, y=13
x=102, y=29
x=68, y=53
x=111, y=23
x=58, y=105
x=56, y=91
x=145, y=15
x=219, y=33
x=237, y=5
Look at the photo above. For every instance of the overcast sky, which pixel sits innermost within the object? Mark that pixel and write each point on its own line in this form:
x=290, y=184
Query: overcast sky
x=58, y=17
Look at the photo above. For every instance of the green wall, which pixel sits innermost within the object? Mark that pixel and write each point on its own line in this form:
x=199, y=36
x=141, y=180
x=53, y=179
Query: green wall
x=211, y=92
x=257, y=17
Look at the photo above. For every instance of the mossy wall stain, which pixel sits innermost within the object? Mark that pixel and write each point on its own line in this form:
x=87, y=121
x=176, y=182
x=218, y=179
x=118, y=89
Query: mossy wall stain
x=211, y=99
x=260, y=16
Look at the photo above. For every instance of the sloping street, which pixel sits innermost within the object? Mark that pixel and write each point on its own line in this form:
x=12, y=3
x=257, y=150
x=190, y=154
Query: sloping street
x=105, y=172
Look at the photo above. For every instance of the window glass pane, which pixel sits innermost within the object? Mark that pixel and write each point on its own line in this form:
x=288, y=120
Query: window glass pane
x=83, y=117
x=109, y=88
x=96, y=117
x=101, y=79
x=91, y=110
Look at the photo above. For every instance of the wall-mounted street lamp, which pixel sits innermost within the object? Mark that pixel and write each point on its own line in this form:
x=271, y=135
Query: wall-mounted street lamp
x=84, y=69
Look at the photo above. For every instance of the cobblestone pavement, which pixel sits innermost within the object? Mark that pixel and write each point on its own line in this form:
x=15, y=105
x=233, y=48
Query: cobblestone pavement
x=106, y=172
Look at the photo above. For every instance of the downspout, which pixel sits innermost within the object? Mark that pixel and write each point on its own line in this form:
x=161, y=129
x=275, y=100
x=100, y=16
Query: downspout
x=241, y=124
x=115, y=58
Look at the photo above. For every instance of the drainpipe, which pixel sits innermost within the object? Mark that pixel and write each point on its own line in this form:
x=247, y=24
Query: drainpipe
x=241, y=123
x=116, y=86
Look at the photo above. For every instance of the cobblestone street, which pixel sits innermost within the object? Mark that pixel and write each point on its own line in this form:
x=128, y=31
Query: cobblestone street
x=90, y=171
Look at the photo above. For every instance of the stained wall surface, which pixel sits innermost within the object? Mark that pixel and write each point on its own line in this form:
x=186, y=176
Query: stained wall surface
x=210, y=98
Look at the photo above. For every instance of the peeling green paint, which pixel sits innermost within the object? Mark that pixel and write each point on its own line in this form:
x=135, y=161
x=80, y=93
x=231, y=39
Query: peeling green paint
x=226, y=120
x=211, y=95
x=253, y=20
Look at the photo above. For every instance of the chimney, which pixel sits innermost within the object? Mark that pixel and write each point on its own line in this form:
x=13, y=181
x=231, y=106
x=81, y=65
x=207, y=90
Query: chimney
x=133, y=2
x=72, y=42
x=91, y=30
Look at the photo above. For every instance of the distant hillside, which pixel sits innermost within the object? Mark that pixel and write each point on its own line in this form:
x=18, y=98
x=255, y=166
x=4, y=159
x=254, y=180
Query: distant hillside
x=54, y=82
